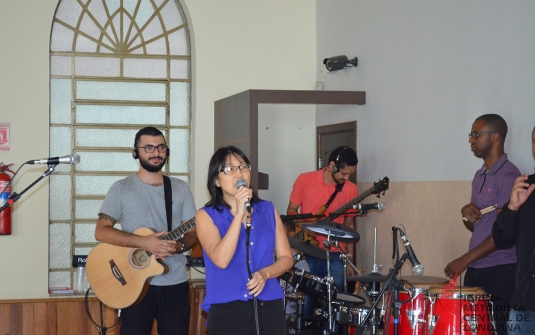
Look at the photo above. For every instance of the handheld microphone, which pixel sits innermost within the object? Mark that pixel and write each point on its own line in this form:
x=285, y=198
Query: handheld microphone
x=417, y=268
x=69, y=159
x=240, y=183
x=378, y=205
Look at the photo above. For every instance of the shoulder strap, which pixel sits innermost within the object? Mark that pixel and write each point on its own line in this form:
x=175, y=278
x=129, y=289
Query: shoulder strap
x=337, y=189
x=168, y=201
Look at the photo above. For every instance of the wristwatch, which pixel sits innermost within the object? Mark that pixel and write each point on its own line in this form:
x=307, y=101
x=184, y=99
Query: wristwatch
x=183, y=247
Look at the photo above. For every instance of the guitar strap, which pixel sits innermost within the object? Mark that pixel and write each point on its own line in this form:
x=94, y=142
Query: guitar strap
x=337, y=189
x=168, y=201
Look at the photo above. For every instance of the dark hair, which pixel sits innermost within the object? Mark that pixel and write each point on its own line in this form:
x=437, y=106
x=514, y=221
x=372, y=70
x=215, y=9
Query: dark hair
x=343, y=156
x=218, y=162
x=289, y=225
x=151, y=131
x=496, y=123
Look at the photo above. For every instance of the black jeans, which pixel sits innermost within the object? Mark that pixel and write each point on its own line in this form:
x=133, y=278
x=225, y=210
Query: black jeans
x=169, y=305
x=238, y=318
x=499, y=282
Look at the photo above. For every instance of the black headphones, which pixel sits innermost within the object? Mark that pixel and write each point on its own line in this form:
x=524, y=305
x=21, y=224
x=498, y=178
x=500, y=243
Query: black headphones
x=336, y=168
x=135, y=153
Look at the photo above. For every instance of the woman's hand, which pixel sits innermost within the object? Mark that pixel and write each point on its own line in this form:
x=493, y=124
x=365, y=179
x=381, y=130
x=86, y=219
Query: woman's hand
x=244, y=193
x=258, y=282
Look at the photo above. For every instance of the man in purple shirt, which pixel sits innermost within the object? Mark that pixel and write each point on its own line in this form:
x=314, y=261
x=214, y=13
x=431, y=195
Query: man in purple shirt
x=486, y=266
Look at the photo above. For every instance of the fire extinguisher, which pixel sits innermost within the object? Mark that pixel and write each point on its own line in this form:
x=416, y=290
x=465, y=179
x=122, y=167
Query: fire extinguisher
x=5, y=215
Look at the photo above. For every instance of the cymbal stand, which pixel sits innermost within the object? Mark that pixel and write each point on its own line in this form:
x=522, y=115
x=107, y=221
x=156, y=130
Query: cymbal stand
x=345, y=261
x=327, y=243
x=376, y=267
x=389, y=284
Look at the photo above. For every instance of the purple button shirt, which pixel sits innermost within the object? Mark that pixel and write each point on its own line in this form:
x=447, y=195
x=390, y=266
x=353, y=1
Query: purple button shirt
x=489, y=188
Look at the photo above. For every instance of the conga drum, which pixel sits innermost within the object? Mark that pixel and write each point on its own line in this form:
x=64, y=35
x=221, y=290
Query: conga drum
x=459, y=311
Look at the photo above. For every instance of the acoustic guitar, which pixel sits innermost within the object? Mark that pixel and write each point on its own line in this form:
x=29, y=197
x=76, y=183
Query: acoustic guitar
x=119, y=276
x=377, y=188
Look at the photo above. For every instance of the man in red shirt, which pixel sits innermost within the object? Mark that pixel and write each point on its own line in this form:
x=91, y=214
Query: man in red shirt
x=312, y=190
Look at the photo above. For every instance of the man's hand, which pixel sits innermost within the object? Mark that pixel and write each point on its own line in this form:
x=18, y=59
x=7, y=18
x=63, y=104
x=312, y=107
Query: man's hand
x=520, y=192
x=456, y=266
x=160, y=248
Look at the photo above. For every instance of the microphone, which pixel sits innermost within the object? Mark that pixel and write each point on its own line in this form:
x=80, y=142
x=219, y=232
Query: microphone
x=69, y=159
x=240, y=183
x=417, y=268
x=378, y=205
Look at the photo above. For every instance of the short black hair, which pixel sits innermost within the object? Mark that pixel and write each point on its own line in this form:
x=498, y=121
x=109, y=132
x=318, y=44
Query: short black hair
x=343, y=156
x=496, y=123
x=151, y=131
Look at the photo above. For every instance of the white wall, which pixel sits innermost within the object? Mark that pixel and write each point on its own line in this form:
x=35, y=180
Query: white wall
x=286, y=148
x=237, y=45
x=429, y=68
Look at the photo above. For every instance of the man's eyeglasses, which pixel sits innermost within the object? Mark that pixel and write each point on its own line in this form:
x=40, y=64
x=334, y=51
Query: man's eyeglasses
x=475, y=134
x=150, y=148
x=231, y=170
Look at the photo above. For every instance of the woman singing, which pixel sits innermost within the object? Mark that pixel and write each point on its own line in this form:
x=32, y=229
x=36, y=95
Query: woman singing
x=243, y=295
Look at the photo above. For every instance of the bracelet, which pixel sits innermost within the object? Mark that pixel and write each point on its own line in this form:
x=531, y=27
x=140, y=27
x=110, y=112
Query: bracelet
x=183, y=247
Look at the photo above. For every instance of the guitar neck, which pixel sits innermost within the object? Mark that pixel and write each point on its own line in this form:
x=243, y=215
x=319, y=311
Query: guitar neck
x=353, y=201
x=177, y=233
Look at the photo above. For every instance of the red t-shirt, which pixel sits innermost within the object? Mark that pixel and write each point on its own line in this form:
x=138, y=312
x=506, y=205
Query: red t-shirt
x=310, y=193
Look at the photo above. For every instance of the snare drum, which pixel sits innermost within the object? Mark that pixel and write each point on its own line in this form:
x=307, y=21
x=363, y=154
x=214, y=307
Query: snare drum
x=459, y=311
x=411, y=313
x=307, y=283
x=346, y=310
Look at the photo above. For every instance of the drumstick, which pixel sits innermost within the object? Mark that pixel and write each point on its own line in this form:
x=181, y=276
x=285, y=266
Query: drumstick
x=485, y=211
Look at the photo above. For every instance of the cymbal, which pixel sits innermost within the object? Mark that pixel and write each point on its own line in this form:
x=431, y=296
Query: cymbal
x=307, y=248
x=336, y=231
x=423, y=279
x=369, y=278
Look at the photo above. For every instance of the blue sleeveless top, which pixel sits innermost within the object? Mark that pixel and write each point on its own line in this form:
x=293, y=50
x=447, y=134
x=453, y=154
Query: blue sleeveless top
x=230, y=284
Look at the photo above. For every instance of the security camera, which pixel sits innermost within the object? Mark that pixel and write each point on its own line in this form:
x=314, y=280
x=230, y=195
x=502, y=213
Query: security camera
x=339, y=62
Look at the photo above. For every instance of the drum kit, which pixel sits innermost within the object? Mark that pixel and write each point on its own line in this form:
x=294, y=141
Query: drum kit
x=411, y=305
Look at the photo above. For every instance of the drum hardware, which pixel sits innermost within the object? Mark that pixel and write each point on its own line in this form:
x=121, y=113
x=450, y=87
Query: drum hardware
x=390, y=283
x=345, y=261
x=376, y=267
x=431, y=318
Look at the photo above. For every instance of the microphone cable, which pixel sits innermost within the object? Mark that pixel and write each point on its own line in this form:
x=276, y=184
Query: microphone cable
x=247, y=261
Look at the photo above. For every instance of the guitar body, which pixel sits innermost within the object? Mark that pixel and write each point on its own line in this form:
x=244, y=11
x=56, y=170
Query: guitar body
x=300, y=233
x=119, y=275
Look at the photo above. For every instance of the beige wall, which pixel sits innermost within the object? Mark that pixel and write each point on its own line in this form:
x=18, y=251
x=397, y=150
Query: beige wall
x=431, y=215
x=237, y=45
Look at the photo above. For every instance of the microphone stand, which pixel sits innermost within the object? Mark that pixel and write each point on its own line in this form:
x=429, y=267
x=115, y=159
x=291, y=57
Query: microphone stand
x=15, y=196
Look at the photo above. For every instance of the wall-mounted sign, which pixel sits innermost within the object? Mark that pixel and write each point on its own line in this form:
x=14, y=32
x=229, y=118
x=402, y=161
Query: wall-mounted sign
x=4, y=137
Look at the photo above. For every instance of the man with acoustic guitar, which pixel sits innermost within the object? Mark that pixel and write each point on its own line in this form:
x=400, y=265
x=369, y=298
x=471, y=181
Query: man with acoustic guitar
x=142, y=200
x=324, y=191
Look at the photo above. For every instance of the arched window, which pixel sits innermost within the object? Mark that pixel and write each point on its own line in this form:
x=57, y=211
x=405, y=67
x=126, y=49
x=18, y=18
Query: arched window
x=115, y=67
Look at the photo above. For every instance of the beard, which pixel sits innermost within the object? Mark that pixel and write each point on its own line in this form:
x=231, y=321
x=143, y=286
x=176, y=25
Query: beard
x=338, y=181
x=151, y=167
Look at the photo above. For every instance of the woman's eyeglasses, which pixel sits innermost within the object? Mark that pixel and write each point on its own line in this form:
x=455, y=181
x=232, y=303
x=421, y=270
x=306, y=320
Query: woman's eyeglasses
x=231, y=170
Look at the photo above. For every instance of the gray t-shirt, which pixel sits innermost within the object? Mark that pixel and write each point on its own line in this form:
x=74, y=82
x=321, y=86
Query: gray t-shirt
x=137, y=204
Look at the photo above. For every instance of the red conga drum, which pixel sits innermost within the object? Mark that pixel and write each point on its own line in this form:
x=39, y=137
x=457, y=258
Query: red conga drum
x=459, y=311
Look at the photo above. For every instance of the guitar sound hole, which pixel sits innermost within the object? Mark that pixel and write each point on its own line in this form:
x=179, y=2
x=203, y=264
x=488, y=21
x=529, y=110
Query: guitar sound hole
x=139, y=258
